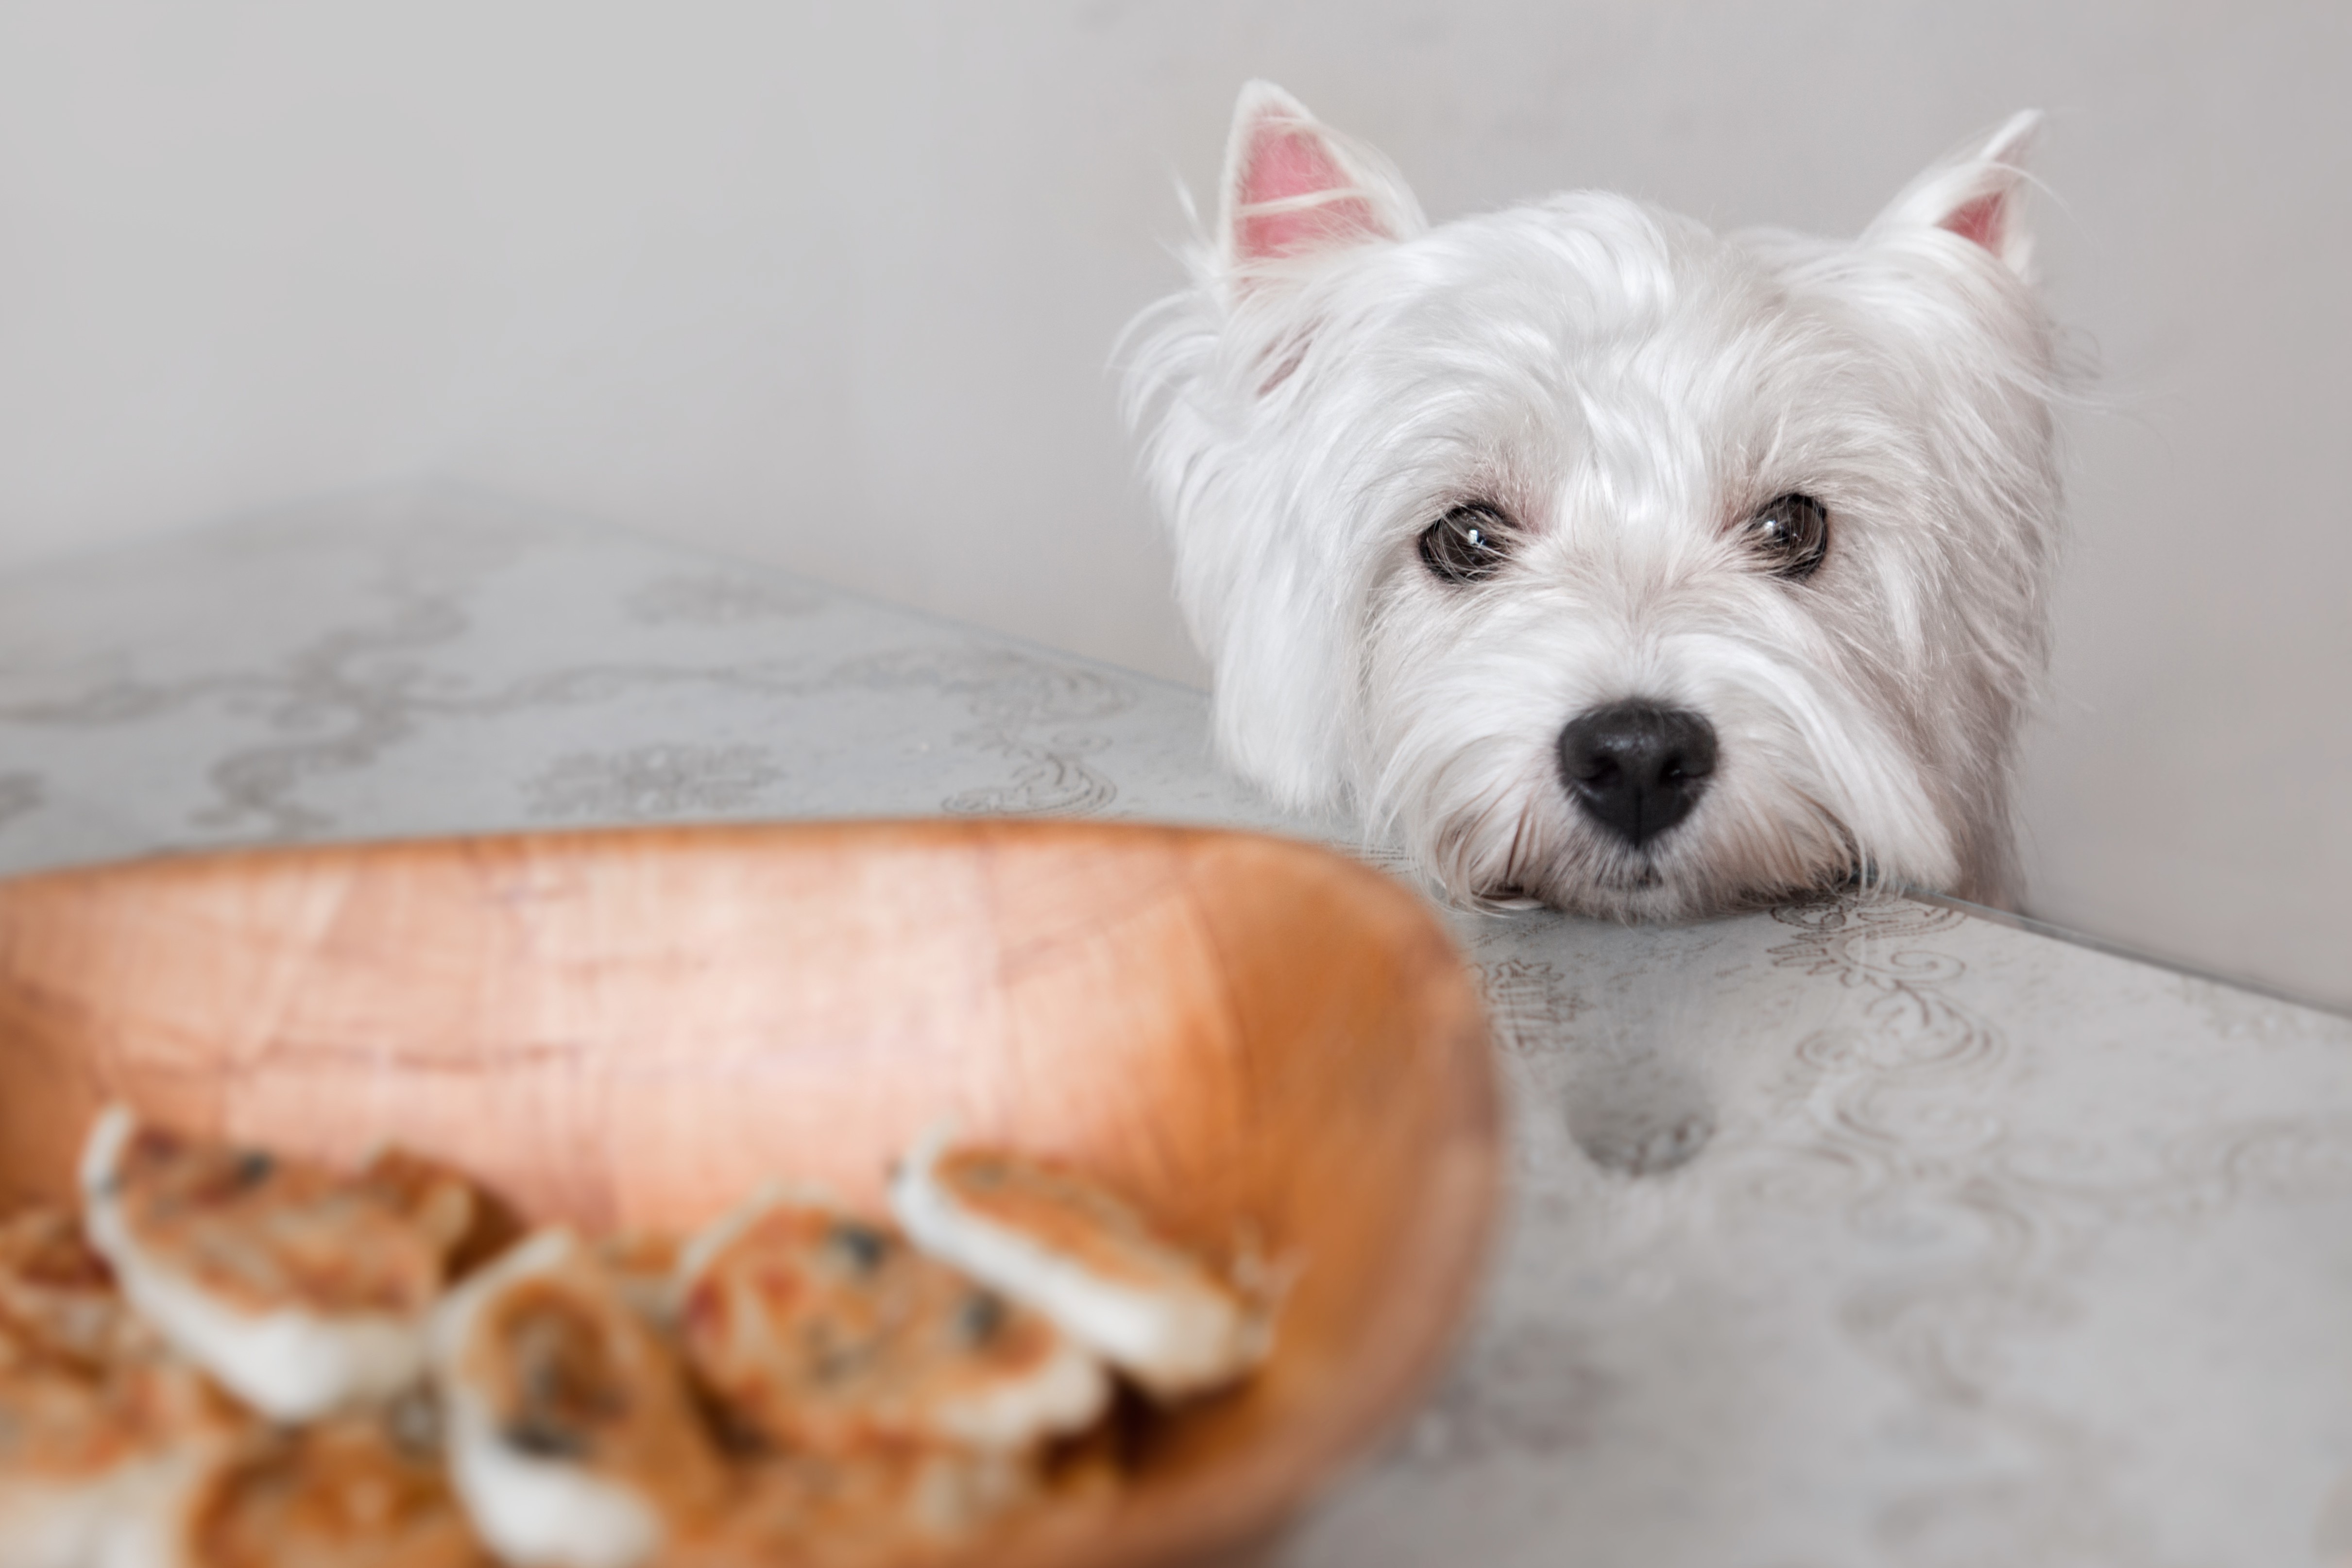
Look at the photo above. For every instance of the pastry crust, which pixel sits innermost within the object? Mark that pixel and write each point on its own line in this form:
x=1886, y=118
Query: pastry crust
x=304, y=1290
x=58, y=1293
x=572, y=1436
x=1074, y=1252
x=98, y=1459
x=820, y=1330
x=888, y=1506
x=345, y=1493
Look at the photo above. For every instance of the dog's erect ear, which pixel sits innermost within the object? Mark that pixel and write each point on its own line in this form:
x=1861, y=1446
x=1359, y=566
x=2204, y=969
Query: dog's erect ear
x=1976, y=195
x=1294, y=188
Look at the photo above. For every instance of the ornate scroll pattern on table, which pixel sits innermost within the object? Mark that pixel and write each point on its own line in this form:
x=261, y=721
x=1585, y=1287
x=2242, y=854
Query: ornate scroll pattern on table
x=339, y=702
x=1529, y=1004
x=1888, y=1128
x=343, y=700
x=649, y=783
x=1901, y=1140
x=1904, y=1137
x=1029, y=709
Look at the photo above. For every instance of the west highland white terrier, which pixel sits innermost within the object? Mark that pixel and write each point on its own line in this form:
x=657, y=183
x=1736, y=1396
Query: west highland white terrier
x=1605, y=561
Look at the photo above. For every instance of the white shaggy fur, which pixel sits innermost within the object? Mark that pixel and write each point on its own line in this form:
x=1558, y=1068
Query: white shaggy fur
x=1628, y=388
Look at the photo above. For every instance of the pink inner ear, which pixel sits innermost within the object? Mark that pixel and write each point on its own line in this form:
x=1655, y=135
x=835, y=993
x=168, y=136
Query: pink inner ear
x=1981, y=220
x=1288, y=160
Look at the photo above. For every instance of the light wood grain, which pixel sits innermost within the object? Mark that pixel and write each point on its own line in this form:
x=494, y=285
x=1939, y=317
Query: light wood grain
x=1252, y=1038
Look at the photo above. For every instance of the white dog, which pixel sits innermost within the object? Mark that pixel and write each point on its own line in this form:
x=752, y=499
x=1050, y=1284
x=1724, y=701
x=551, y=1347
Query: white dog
x=1612, y=564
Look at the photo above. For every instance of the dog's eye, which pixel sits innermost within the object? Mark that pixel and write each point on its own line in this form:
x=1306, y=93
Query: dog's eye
x=1466, y=546
x=1793, y=535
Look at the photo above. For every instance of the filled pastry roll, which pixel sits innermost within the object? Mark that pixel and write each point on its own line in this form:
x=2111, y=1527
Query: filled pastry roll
x=99, y=1458
x=886, y=1506
x=820, y=1330
x=570, y=1430
x=1076, y=1253
x=303, y=1291
x=56, y=1292
x=349, y=1492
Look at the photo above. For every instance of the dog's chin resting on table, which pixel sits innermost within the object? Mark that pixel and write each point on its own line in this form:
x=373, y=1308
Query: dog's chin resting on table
x=1605, y=561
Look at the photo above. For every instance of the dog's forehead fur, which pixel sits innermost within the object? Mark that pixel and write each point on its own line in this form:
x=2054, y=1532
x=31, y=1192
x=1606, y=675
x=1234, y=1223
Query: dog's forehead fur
x=1627, y=388
x=1612, y=365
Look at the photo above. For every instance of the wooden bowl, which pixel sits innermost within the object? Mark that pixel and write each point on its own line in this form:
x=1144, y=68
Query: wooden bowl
x=1250, y=1037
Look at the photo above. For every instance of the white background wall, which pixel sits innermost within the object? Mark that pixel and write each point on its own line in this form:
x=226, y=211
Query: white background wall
x=835, y=285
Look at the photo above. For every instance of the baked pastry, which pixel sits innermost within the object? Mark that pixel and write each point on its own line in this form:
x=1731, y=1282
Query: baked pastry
x=56, y=1292
x=350, y=1492
x=820, y=1330
x=303, y=1291
x=1069, y=1248
x=888, y=1505
x=99, y=1458
x=571, y=1434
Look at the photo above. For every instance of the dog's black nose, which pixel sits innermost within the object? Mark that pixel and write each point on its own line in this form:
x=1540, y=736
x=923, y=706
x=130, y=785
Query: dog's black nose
x=1636, y=768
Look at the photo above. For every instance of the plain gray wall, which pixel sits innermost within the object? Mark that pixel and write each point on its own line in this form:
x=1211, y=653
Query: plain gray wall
x=835, y=286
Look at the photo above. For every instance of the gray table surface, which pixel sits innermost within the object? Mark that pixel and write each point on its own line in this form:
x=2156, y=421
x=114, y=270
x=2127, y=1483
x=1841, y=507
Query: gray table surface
x=1846, y=1233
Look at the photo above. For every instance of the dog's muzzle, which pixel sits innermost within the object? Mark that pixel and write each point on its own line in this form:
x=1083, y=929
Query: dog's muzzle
x=1637, y=768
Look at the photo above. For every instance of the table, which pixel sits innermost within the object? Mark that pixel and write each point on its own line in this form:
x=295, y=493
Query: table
x=1843, y=1234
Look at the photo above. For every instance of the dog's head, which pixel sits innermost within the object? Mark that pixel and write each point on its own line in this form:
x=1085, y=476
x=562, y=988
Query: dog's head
x=1614, y=563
